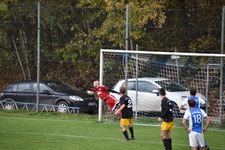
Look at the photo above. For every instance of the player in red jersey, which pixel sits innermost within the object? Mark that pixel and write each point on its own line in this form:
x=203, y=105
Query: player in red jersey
x=103, y=94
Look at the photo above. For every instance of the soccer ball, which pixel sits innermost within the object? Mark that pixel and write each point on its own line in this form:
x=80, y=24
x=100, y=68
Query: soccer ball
x=90, y=92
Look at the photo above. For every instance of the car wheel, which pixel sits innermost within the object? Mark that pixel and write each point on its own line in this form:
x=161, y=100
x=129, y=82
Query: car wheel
x=61, y=106
x=9, y=106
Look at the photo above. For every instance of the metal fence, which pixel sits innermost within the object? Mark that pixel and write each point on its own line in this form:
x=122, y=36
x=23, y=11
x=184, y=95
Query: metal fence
x=6, y=105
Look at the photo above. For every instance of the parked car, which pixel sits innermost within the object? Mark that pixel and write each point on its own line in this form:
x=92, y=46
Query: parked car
x=148, y=93
x=51, y=93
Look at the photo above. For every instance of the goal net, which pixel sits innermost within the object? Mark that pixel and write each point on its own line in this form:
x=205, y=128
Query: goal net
x=146, y=72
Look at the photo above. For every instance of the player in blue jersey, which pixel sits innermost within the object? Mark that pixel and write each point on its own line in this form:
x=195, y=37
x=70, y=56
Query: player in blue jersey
x=195, y=117
x=199, y=101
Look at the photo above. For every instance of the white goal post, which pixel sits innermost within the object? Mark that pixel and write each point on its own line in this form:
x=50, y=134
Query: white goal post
x=171, y=68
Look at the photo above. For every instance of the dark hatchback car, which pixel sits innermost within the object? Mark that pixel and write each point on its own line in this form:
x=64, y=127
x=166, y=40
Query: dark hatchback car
x=51, y=93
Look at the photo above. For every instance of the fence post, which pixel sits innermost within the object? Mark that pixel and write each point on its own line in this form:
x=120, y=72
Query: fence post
x=126, y=42
x=38, y=58
x=221, y=71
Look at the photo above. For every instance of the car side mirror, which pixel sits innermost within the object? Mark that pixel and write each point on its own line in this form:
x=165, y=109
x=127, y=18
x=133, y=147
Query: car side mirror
x=156, y=92
x=46, y=92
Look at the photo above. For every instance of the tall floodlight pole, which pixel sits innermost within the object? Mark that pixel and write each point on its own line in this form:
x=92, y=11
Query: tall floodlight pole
x=221, y=70
x=38, y=58
x=126, y=58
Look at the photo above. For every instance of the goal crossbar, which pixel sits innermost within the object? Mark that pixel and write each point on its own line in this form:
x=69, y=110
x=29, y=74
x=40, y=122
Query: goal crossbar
x=162, y=53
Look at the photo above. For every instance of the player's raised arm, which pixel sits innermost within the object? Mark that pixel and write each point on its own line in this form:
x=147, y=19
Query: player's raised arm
x=184, y=103
x=92, y=89
x=110, y=90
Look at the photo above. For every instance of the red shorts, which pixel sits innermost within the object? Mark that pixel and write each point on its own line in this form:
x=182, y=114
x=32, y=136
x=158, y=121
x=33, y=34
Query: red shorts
x=112, y=102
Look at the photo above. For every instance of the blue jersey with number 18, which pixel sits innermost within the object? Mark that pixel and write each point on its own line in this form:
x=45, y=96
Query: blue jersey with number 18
x=195, y=118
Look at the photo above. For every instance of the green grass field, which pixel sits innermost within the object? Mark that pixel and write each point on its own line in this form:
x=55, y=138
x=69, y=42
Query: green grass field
x=48, y=131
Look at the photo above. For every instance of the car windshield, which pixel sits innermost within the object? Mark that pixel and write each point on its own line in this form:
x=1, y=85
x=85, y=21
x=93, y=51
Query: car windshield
x=60, y=86
x=171, y=86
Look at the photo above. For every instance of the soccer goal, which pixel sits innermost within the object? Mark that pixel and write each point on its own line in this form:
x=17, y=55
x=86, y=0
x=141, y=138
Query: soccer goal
x=145, y=72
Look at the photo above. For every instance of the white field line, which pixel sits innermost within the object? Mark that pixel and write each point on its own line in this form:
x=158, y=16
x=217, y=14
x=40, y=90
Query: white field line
x=60, y=135
x=78, y=136
x=90, y=137
x=60, y=120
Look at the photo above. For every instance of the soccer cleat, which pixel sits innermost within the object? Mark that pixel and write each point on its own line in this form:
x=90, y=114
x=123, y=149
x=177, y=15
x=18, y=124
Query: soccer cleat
x=132, y=138
x=206, y=148
x=126, y=140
